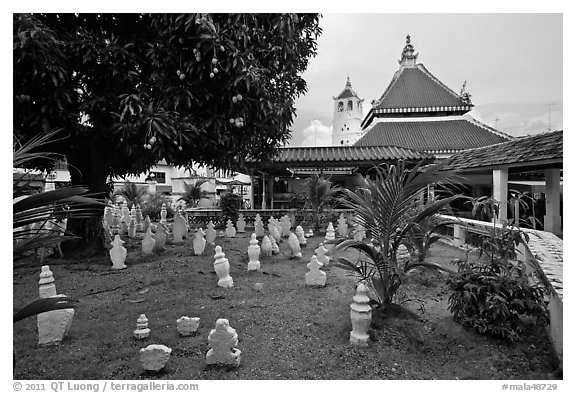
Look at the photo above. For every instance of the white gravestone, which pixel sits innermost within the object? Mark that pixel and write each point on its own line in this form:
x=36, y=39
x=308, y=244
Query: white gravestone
x=253, y=254
x=321, y=255
x=222, y=341
x=275, y=248
x=118, y=253
x=148, y=242
x=222, y=268
x=241, y=223
x=187, y=326
x=361, y=316
x=342, y=226
x=300, y=234
x=266, y=247
x=258, y=226
x=163, y=213
x=52, y=325
x=275, y=234
x=142, y=330
x=294, y=245
x=315, y=277
x=132, y=228
x=360, y=233
x=147, y=224
x=139, y=219
x=286, y=225
x=179, y=228
x=402, y=255
x=330, y=236
x=154, y=357
x=199, y=243
x=160, y=237
x=230, y=230
x=210, y=233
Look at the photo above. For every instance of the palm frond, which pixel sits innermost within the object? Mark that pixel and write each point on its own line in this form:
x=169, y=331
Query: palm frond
x=43, y=305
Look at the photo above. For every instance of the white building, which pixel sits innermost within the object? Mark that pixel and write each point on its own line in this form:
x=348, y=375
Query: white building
x=348, y=115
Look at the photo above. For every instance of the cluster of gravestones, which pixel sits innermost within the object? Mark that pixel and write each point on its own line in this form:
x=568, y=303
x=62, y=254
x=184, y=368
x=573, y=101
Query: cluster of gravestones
x=53, y=325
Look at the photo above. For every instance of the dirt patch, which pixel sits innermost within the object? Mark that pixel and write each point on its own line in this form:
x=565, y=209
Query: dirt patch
x=286, y=331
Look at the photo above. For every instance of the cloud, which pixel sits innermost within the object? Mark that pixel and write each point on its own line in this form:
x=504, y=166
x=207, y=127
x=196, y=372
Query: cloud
x=317, y=134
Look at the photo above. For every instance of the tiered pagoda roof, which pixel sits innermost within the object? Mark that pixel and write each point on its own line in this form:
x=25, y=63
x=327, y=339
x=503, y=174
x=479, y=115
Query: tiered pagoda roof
x=348, y=91
x=435, y=136
x=397, y=118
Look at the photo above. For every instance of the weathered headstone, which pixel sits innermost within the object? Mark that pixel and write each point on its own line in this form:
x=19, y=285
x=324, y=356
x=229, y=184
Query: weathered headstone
x=402, y=255
x=139, y=219
x=148, y=242
x=258, y=226
x=109, y=214
x=187, y=326
x=222, y=341
x=310, y=233
x=266, y=247
x=230, y=230
x=294, y=245
x=118, y=253
x=360, y=233
x=179, y=228
x=147, y=223
x=330, y=236
x=321, y=255
x=315, y=276
x=286, y=225
x=241, y=223
x=199, y=243
x=253, y=253
x=275, y=234
x=342, y=226
x=154, y=357
x=163, y=213
x=142, y=330
x=275, y=248
x=160, y=237
x=361, y=316
x=132, y=228
x=300, y=234
x=52, y=325
x=210, y=233
x=222, y=268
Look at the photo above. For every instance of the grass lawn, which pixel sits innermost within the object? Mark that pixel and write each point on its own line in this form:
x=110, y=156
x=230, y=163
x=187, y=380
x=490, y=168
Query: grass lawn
x=286, y=331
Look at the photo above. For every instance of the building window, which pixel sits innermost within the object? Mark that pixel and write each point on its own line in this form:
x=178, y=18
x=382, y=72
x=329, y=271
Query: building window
x=350, y=105
x=359, y=106
x=340, y=106
x=160, y=177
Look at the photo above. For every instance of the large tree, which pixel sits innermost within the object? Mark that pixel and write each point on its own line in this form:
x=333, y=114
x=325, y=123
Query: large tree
x=132, y=89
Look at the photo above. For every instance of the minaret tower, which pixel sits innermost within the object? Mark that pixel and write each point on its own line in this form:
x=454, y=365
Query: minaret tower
x=347, y=117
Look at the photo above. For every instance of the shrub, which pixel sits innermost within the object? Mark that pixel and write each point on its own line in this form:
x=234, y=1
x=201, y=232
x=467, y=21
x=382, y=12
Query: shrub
x=492, y=299
x=231, y=204
x=152, y=206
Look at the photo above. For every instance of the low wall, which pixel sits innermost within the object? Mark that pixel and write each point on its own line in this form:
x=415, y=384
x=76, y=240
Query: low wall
x=544, y=259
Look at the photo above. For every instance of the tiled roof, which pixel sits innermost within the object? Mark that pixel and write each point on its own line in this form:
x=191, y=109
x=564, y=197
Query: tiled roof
x=531, y=149
x=346, y=94
x=345, y=155
x=416, y=87
x=446, y=136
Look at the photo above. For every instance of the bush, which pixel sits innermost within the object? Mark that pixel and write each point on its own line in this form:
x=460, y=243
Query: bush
x=492, y=299
x=231, y=204
x=152, y=206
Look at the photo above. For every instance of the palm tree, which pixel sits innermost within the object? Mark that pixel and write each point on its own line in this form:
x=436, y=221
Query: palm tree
x=388, y=208
x=36, y=217
x=319, y=195
x=131, y=193
x=193, y=193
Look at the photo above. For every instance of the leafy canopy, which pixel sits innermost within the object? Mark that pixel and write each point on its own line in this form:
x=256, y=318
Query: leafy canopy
x=132, y=89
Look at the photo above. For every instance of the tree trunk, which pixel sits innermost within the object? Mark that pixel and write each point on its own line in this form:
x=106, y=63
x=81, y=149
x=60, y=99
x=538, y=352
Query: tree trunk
x=88, y=168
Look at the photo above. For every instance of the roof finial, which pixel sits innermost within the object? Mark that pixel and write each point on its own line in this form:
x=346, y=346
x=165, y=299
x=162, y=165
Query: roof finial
x=408, y=58
x=348, y=84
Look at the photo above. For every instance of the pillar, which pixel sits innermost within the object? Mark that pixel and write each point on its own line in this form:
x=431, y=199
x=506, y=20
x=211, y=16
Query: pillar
x=263, y=206
x=460, y=232
x=500, y=191
x=251, y=192
x=552, y=221
x=271, y=191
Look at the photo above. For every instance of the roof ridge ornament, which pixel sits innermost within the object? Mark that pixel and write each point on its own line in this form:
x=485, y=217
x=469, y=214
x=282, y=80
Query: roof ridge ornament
x=408, y=58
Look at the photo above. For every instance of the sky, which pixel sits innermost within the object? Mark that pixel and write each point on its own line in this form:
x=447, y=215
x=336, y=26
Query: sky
x=512, y=64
